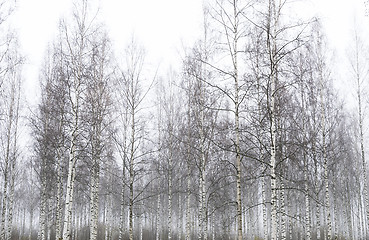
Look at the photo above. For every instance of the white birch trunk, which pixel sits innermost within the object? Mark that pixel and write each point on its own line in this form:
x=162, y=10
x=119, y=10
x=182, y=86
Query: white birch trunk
x=283, y=213
x=6, y=167
x=94, y=203
x=272, y=44
x=122, y=215
x=106, y=218
x=30, y=225
x=123, y=225
x=170, y=194
x=273, y=164
x=16, y=93
x=11, y=205
x=318, y=226
x=141, y=226
x=213, y=225
x=59, y=191
x=22, y=235
x=362, y=149
x=349, y=213
x=335, y=217
x=265, y=221
x=325, y=161
x=94, y=191
x=158, y=219
x=307, y=206
x=188, y=209
x=237, y=124
x=131, y=175
x=42, y=231
x=69, y=194
x=180, y=218
x=290, y=226
x=199, y=231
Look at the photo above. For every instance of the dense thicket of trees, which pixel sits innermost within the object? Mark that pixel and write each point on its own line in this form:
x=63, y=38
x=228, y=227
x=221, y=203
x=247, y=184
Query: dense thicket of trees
x=247, y=139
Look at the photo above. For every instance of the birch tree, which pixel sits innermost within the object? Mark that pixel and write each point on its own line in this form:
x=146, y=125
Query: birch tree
x=43, y=146
x=360, y=71
x=323, y=75
x=133, y=92
x=76, y=40
x=99, y=104
x=229, y=16
x=10, y=100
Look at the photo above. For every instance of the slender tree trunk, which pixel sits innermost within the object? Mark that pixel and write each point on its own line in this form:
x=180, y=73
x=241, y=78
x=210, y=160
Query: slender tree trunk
x=131, y=174
x=213, y=225
x=122, y=228
x=335, y=217
x=42, y=231
x=109, y=217
x=361, y=214
x=140, y=226
x=290, y=226
x=22, y=235
x=265, y=221
x=158, y=219
x=106, y=217
x=11, y=204
x=7, y=165
x=30, y=225
x=122, y=215
x=362, y=149
x=170, y=191
x=59, y=190
x=69, y=195
x=180, y=217
x=188, y=209
x=325, y=160
x=94, y=200
x=273, y=164
x=349, y=212
x=283, y=212
x=72, y=160
x=200, y=218
x=307, y=206
x=237, y=123
x=272, y=44
x=95, y=180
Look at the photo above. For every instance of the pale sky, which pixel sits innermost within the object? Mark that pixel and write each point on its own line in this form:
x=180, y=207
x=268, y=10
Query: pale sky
x=162, y=26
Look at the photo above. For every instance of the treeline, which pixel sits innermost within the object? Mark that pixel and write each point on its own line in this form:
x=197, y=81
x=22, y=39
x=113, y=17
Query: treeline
x=248, y=139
